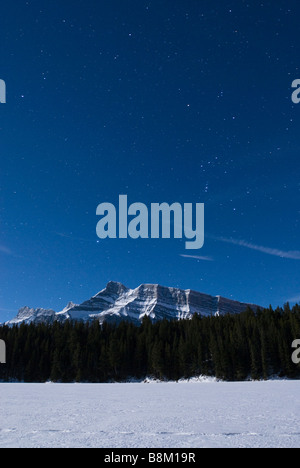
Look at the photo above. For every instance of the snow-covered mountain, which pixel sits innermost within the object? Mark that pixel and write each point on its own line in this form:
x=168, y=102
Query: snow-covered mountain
x=116, y=303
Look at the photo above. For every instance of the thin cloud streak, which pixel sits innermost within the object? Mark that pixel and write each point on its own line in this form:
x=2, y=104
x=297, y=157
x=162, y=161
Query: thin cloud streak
x=198, y=257
x=66, y=236
x=291, y=254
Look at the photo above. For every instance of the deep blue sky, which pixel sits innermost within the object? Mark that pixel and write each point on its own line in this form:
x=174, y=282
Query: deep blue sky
x=165, y=101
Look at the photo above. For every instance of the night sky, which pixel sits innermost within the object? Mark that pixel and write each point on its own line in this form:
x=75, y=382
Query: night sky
x=183, y=101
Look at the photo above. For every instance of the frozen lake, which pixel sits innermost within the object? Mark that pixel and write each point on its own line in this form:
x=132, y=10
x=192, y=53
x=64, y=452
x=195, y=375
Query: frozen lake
x=156, y=415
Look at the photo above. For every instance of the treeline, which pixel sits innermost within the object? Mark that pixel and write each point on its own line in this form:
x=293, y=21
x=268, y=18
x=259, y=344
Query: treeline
x=231, y=347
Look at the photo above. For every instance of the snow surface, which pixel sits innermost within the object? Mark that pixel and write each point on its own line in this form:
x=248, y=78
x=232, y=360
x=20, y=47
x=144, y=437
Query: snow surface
x=203, y=413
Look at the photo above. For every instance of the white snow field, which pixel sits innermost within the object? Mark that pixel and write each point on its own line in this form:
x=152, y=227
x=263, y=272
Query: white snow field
x=161, y=415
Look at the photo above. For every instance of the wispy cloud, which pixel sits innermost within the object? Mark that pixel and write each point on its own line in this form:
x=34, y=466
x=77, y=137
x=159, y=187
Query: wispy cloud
x=294, y=299
x=7, y=310
x=292, y=254
x=198, y=257
x=67, y=236
x=5, y=250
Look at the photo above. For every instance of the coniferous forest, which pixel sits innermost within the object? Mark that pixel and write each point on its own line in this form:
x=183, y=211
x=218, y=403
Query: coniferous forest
x=232, y=347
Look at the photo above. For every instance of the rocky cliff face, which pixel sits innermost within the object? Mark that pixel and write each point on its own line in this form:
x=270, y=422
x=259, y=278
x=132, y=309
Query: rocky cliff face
x=28, y=315
x=116, y=303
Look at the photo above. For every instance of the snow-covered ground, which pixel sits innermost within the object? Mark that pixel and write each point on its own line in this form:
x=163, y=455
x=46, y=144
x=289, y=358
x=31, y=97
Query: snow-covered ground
x=160, y=415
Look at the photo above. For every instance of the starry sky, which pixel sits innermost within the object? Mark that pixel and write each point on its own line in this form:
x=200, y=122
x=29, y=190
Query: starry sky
x=165, y=101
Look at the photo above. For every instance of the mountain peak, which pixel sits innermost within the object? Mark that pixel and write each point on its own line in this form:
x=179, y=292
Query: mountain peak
x=68, y=307
x=114, y=286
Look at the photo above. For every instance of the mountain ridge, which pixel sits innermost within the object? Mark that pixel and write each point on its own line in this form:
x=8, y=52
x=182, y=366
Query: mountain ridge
x=116, y=302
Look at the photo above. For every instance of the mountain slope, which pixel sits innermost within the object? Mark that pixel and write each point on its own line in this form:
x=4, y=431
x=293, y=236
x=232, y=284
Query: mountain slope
x=116, y=303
